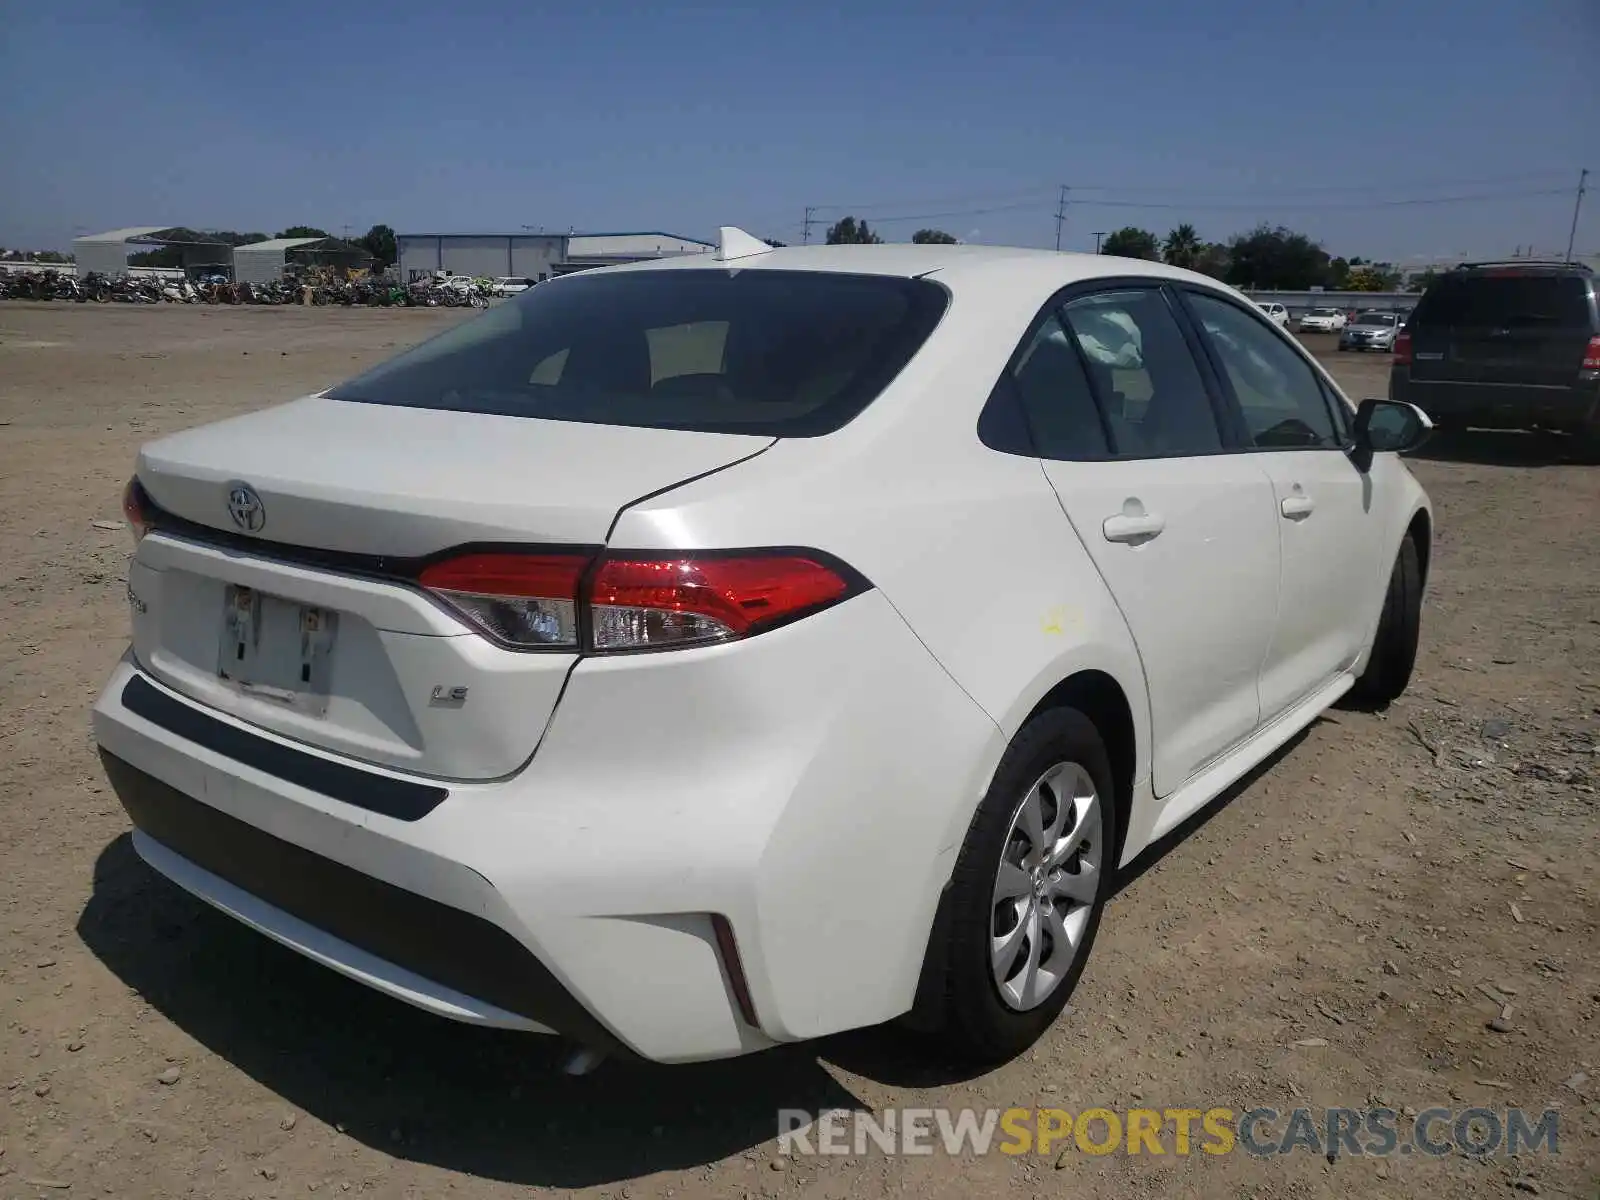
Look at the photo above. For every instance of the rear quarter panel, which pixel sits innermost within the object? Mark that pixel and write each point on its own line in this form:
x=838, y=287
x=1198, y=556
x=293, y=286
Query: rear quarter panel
x=967, y=543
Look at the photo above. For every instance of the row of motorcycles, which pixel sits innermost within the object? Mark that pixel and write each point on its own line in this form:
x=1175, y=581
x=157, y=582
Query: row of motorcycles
x=454, y=292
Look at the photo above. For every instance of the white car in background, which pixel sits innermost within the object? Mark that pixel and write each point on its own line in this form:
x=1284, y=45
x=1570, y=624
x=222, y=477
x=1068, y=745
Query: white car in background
x=710, y=653
x=1322, y=320
x=1276, y=313
x=512, y=285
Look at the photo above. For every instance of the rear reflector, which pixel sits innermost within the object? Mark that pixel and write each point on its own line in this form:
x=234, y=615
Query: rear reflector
x=136, y=510
x=1591, y=356
x=728, y=948
x=527, y=601
x=541, y=601
x=647, y=604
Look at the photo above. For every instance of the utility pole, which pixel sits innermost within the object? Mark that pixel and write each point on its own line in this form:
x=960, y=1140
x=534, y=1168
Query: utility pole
x=1577, y=207
x=1061, y=214
x=805, y=228
x=1098, y=234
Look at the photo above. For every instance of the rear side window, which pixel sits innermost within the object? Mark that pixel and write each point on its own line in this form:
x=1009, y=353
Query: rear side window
x=1140, y=367
x=1505, y=301
x=773, y=353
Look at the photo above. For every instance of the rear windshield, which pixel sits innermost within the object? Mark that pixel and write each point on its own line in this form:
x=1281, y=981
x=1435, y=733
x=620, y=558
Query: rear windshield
x=1506, y=301
x=773, y=353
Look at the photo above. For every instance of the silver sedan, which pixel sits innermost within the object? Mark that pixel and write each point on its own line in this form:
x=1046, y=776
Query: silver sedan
x=1371, y=331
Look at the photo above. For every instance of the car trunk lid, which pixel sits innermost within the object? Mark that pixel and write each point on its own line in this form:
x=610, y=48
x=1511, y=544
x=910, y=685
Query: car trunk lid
x=279, y=585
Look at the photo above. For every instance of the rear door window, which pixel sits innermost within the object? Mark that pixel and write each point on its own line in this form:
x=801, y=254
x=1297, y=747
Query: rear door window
x=1055, y=394
x=1151, y=391
x=769, y=352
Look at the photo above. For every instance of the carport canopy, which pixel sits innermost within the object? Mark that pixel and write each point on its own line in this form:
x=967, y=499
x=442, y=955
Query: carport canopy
x=107, y=253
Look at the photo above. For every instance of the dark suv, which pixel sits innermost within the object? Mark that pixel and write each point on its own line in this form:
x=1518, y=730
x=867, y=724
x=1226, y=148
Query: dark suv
x=1505, y=346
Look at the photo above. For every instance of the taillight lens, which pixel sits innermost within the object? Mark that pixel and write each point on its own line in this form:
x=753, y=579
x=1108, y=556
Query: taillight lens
x=1591, y=356
x=524, y=600
x=647, y=604
x=137, y=510
x=1402, y=349
x=541, y=601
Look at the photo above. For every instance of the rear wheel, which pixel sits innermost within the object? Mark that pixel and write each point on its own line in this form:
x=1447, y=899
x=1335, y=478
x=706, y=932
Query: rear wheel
x=1029, y=887
x=1394, y=649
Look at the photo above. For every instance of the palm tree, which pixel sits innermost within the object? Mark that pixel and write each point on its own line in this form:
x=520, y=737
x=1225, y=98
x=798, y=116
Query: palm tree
x=1182, y=246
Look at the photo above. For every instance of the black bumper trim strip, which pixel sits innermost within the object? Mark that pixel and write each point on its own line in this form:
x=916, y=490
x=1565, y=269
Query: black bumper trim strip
x=398, y=798
x=450, y=947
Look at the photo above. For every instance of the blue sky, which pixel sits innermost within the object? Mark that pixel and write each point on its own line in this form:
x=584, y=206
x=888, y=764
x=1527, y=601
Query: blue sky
x=465, y=115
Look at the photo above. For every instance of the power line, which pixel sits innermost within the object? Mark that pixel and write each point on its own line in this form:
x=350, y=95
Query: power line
x=1033, y=193
x=1253, y=190
x=1061, y=214
x=1268, y=203
x=1242, y=192
x=965, y=212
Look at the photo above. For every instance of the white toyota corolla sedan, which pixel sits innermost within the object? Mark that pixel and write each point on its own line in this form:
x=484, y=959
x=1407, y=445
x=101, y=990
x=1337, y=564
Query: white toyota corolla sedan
x=725, y=651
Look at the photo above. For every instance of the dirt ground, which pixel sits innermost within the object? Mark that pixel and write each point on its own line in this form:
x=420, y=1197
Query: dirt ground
x=1341, y=930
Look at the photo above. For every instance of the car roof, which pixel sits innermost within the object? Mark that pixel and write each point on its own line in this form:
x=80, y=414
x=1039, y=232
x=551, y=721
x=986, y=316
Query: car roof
x=954, y=265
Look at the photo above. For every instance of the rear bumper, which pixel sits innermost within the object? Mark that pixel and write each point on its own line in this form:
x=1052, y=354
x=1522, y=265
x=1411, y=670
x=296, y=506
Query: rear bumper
x=1499, y=406
x=440, y=958
x=801, y=785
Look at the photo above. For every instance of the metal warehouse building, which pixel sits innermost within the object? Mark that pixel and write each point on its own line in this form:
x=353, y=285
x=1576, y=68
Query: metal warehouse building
x=534, y=255
x=107, y=253
x=263, y=262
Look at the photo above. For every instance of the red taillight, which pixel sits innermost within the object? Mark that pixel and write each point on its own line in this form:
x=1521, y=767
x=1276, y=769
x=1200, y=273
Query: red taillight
x=136, y=510
x=533, y=601
x=524, y=600
x=1591, y=356
x=1402, y=349
x=640, y=604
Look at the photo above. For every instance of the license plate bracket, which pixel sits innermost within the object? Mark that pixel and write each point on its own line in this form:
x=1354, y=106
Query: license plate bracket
x=277, y=649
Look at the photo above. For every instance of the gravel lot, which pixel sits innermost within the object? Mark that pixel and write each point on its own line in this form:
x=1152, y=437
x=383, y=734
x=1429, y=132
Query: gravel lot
x=1340, y=931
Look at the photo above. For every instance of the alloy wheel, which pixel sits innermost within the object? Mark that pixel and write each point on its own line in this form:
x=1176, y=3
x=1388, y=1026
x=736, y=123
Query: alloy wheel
x=1046, y=885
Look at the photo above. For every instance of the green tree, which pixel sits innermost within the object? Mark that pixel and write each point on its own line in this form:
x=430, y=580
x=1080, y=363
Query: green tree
x=1133, y=242
x=850, y=232
x=1365, y=278
x=1182, y=247
x=306, y=231
x=1422, y=281
x=379, y=242
x=933, y=237
x=1211, y=259
x=1268, y=257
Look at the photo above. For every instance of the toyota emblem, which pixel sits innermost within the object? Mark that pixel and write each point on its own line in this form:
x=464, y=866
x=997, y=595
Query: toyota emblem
x=245, y=507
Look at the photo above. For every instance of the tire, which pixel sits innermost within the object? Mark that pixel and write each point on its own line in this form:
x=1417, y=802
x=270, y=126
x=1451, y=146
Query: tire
x=1586, y=448
x=1394, y=648
x=979, y=1020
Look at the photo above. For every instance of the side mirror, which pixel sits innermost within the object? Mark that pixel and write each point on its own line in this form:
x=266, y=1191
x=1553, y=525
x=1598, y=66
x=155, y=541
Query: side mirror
x=1388, y=425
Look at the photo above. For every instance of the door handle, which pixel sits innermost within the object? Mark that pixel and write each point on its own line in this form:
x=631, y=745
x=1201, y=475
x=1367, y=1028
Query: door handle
x=1134, y=529
x=1298, y=506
